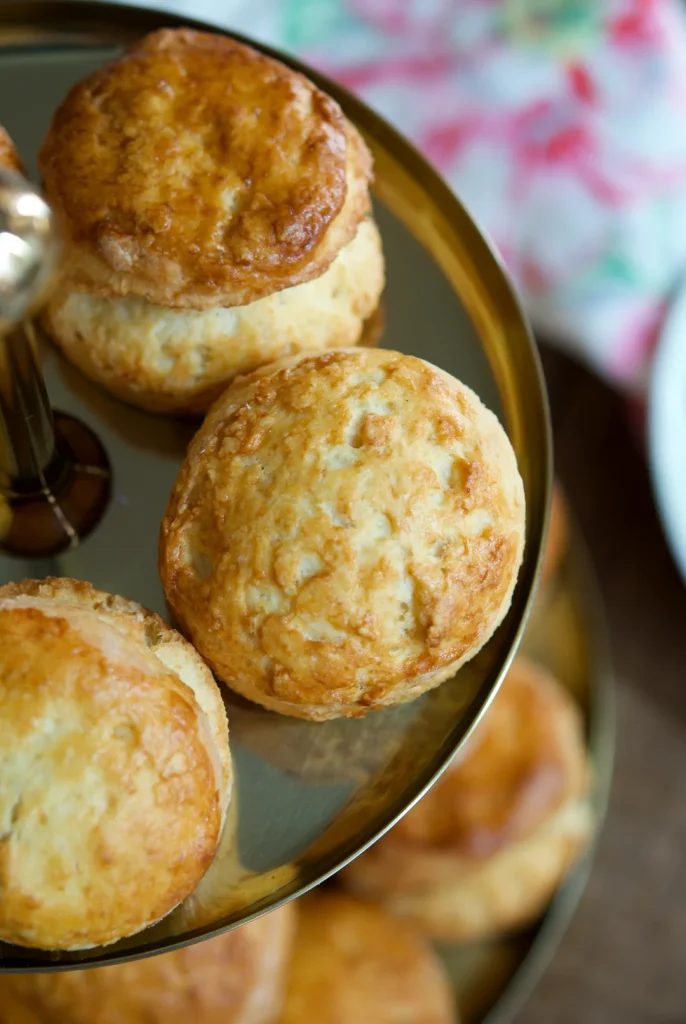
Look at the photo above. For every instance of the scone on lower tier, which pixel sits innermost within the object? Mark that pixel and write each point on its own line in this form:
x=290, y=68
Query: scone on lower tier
x=114, y=761
x=345, y=532
x=485, y=850
x=353, y=963
x=215, y=206
x=238, y=978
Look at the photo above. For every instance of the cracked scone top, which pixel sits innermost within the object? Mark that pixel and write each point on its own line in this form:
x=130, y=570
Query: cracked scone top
x=345, y=532
x=114, y=766
x=195, y=172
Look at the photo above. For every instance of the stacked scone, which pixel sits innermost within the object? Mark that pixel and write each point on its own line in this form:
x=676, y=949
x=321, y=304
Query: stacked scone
x=215, y=207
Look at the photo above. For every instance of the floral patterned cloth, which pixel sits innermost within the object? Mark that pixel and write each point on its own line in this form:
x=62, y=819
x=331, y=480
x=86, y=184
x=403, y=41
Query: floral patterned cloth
x=560, y=123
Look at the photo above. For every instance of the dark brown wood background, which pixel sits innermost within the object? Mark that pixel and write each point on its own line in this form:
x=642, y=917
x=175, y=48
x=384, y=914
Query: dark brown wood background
x=623, y=959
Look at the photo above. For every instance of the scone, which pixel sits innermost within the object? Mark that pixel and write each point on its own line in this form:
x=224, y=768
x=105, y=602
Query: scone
x=345, y=532
x=353, y=964
x=484, y=851
x=9, y=158
x=217, y=216
x=114, y=766
x=238, y=978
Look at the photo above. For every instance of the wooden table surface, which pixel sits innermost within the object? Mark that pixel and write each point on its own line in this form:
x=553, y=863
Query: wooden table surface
x=623, y=959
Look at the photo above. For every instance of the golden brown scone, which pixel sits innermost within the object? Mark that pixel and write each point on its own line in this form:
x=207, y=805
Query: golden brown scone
x=195, y=172
x=345, y=532
x=238, y=978
x=484, y=851
x=180, y=360
x=9, y=158
x=114, y=762
x=353, y=964
x=557, y=540
x=215, y=207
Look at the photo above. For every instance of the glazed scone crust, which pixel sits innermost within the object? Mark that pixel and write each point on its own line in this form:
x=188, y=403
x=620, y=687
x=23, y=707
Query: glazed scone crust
x=9, y=158
x=181, y=360
x=353, y=963
x=345, y=532
x=115, y=777
x=195, y=172
x=485, y=849
x=237, y=978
